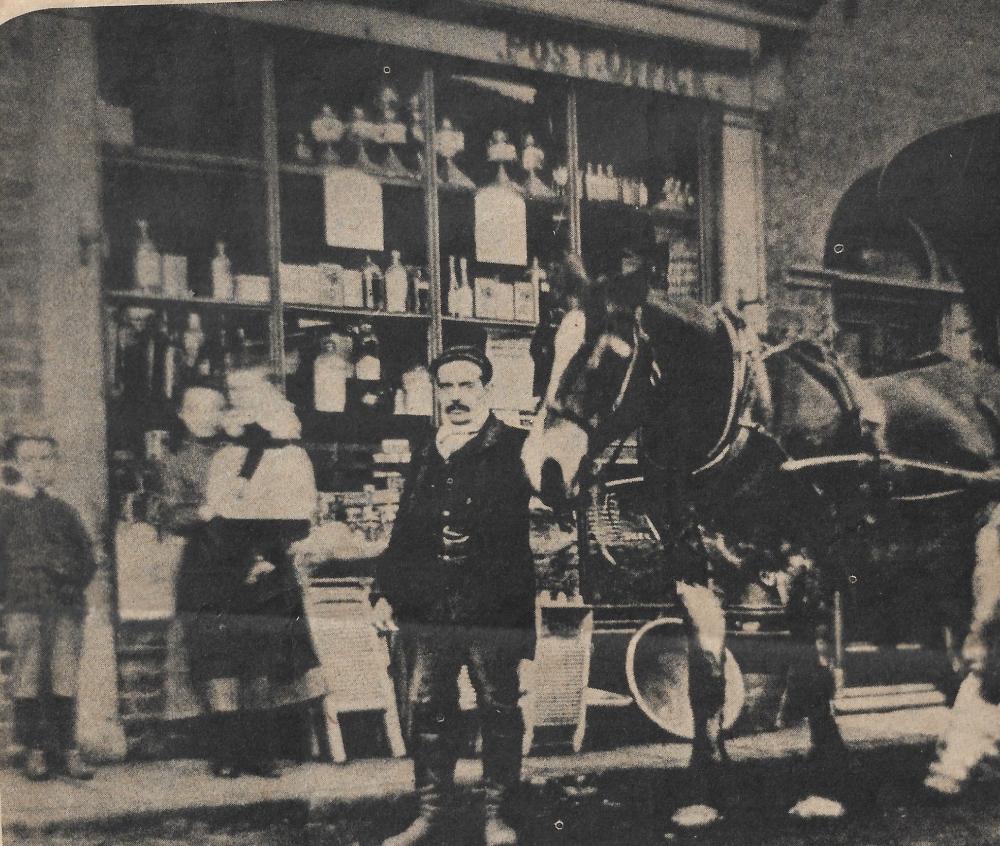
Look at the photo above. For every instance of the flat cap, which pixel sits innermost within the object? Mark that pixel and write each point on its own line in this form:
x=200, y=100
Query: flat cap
x=464, y=353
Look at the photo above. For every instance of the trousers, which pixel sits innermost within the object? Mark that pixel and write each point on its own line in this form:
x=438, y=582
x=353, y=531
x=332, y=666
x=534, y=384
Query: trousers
x=434, y=655
x=46, y=647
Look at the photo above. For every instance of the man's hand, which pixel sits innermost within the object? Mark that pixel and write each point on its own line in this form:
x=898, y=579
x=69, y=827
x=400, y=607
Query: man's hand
x=974, y=652
x=382, y=617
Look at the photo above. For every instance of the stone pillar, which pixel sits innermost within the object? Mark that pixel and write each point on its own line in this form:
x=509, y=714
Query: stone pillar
x=741, y=220
x=69, y=285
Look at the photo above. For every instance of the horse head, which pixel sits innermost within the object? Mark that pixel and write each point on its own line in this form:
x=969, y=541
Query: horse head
x=593, y=374
x=615, y=349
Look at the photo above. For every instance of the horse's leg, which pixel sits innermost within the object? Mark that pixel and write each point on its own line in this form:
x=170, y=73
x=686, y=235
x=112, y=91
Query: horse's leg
x=973, y=731
x=811, y=688
x=810, y=691
x=707, y=691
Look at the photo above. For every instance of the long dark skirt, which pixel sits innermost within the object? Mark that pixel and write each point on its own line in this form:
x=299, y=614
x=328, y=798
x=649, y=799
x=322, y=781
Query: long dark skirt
x=238, y=630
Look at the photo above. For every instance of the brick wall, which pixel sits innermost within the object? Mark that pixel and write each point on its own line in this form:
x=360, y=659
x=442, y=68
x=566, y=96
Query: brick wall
x=50, y=337
x=857, y=91
x=20, y=353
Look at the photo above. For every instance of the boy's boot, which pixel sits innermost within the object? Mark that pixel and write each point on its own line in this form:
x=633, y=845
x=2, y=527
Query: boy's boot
x=28, y=725
x=63, y=717
x=25, y=720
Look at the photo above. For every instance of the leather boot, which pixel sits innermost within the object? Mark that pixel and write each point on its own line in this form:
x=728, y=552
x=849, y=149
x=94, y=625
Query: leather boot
x=63, y=717
x=503, y=732
x=434, y=768
x=496, y=830
x=36, y=768
x=25, y=735
x=73, y=766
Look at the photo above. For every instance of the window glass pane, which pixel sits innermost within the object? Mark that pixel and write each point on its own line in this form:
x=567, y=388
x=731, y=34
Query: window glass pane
x=502, y=176
x=354, y=271
x=183, y=82
x=639, y=173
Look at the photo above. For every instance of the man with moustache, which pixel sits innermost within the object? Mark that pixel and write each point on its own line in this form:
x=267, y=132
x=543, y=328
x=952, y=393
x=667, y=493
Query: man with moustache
x=459, y=577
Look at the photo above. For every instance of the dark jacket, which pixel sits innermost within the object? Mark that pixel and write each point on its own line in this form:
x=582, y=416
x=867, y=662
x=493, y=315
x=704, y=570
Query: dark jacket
x=46, y=560
x=482, y=492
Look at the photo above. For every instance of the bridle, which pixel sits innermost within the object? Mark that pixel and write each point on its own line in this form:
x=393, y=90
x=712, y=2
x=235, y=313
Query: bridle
x=589, y=424
x=749, y=378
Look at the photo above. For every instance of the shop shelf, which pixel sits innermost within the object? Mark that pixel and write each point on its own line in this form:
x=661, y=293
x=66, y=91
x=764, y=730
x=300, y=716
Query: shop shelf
x=138, y=298
x=177, y=160
x=491, y=322
x=295, y=309
x=675, y=216
x=309, y=169
x=461, y=190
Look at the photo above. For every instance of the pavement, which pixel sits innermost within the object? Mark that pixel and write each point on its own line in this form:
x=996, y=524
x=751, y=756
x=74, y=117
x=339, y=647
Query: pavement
x=127, y=795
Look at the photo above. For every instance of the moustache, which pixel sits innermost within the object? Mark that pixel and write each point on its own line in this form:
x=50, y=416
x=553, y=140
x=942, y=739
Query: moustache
x=457, y=406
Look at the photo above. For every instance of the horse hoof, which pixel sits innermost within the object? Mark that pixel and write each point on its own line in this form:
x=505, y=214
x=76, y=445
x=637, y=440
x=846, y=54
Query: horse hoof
x=695, y=816
x=817, y=808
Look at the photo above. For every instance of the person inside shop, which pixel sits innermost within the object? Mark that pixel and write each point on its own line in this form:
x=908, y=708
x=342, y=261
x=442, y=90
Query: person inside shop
x=238, y=592
x=46, y=564
x=195, y=439
x=458, y=575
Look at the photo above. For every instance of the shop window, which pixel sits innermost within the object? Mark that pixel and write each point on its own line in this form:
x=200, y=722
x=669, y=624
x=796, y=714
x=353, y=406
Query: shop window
x=354, y=271
x=268, y=204
x=503, y=211
x=640, y=172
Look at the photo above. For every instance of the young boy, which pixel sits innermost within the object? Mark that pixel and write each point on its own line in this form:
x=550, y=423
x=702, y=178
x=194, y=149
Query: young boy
x=46, y=563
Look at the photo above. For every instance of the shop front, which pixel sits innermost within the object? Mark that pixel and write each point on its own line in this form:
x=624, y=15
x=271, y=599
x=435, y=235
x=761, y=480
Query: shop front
x=324, y=195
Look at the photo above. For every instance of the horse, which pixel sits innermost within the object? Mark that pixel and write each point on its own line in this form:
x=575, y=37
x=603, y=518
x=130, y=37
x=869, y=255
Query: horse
x=780, y=446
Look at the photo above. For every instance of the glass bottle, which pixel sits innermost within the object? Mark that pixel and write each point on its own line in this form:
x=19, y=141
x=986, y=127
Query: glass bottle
x=397, y=285
x=526, y=294
x=331, y=371
x=544, y=299
x=421, y=292
x=452, y=287
x=147, y=262
x=462, y=307
x=371, y=279
x=369, y=365
x=222, y=274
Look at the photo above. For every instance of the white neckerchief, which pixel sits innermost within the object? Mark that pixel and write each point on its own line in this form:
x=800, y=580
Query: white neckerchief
x=451, y=438
x=22, y=489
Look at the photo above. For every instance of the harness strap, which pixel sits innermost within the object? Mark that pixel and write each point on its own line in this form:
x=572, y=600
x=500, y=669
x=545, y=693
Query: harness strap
x=630, y=372
x=738, y=425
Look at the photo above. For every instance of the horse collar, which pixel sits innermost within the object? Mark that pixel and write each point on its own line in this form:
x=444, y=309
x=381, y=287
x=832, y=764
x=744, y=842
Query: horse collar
x=737, y=426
